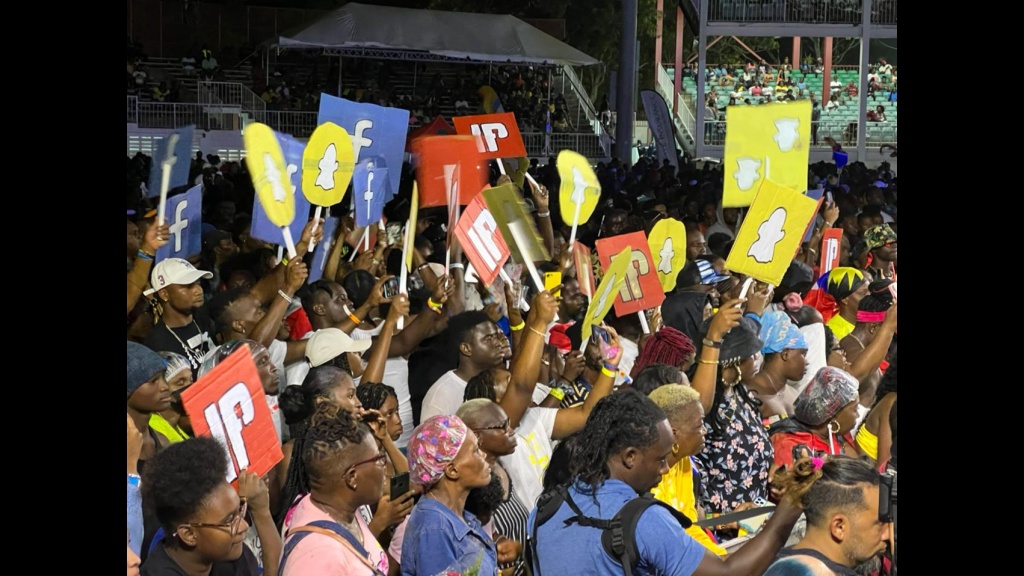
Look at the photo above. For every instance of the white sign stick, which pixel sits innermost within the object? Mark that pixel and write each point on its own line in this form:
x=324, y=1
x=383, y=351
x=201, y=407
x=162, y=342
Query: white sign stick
x=316, y=221
x=746, y=287
x=366, y=232
x=501, y=167
x=288, y=242
x=643, y=322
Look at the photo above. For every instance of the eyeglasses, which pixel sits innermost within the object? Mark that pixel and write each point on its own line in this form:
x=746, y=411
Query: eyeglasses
x=231, y=525
x=505, y=426
x=380, y=459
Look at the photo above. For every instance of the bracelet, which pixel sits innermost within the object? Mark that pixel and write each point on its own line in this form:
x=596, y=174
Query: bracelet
x=284, y=261
x=286, y=297
x=756, y=317
x=608, y=372
x=144, y=255
x=543, y=214
x=518, y=327
x=422, y=266
x=535, y=331
x=355, y=319
x=456, y=266
x=712, y=343
x=557, y=393
x=134, y=479
x=610, y=367
x=702, y=361
x=434, y=305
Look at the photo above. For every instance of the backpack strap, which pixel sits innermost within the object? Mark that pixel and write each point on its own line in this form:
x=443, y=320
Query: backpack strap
x=331, y=530
x=619, y=540
x=548, y=503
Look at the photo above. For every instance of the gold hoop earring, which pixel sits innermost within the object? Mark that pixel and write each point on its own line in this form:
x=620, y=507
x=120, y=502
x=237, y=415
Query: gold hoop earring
x=838, y=427
x=675, y=449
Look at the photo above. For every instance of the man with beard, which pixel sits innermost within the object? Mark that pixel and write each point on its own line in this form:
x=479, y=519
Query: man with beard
x=176, y=285
x=480, y=346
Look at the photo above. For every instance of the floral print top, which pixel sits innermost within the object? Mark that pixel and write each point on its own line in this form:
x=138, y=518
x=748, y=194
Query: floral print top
x=734, y=463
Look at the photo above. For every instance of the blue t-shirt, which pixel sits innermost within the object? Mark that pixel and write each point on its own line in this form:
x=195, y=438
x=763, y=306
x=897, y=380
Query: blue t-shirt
x=437, y=541
x=664, y=547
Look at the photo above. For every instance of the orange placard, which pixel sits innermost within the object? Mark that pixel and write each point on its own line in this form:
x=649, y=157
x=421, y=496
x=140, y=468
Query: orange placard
x=481, y=240
x=497, y=134
x=228, y=404
x=446, y=161
x=642, y=289
x=831, y=242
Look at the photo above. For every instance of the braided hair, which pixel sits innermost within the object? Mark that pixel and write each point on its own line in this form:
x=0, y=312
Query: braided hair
x=332, y=429
x=626, y=419
x=667, y=346
x=372, y=395
x=834, y=485
x=888, y=382
x=481, y=386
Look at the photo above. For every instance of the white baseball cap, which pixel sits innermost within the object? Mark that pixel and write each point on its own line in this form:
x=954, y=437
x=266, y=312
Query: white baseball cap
x=174, y=271
x=327, y=344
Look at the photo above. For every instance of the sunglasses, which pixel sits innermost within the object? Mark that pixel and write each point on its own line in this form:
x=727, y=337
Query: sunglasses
x=505, y=426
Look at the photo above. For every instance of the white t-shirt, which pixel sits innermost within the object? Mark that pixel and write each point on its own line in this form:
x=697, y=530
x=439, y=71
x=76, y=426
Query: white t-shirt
x=396, y=375
x=444, y=397
x=526, y=466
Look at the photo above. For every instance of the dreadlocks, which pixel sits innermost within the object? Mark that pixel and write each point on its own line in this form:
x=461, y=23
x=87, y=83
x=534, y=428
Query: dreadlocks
x=667, y=346
x=331, y=430
x=623, y=420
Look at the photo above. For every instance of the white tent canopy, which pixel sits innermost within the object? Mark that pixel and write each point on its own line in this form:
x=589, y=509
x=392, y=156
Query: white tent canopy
x=455, y=35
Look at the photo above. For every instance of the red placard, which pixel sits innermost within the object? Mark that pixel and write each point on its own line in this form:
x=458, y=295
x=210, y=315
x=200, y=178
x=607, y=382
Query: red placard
x=228, y=404
x=444, y=161
x=642, y=289
x=831, y=242
x=481, y=240
x=497, y=134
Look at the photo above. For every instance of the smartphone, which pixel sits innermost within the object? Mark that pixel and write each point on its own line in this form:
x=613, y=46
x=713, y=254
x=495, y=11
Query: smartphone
x=399, y=485
x=390, y=288
x=603, y=339
x=553, y=280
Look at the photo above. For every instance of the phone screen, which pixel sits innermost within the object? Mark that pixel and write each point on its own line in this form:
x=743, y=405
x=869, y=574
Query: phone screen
x=552, y=280
x=390, y=288
x=399, y=485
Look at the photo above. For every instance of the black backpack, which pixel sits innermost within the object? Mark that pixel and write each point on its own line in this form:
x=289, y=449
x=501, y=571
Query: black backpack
x=618, y=535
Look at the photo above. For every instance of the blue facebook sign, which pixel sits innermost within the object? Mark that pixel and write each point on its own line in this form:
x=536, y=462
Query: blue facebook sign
x=375, y=131
x=369, y=183
x=184, y=216
x=262, y=227
x=323, y=250
x=182, y=153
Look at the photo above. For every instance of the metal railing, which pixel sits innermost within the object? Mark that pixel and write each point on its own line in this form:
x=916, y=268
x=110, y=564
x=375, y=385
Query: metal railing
x=798, y=11
x=842, y=131
x=231, y=94
x=682, y=117
x=165, y=114
x=883, y=12
x=133, y=109
x=588, y=145
x=298, y=124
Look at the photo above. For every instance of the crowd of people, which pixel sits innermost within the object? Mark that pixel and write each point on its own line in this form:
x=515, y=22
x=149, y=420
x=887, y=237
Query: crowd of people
x=487, y=437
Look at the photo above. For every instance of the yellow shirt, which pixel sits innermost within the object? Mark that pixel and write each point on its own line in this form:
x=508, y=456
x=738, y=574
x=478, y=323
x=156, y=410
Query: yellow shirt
x=867, y=442
x=840, y=326
x=676, y=490
x=161, y=425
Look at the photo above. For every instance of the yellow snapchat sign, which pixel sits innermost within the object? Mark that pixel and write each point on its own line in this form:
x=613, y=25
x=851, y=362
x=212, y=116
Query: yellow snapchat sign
x=580, y=190
x=269, y=173
x=604, y=296
x=410, y=227
x=773, y=142
x=327, y=165
x=771, y=233
x=668, y=247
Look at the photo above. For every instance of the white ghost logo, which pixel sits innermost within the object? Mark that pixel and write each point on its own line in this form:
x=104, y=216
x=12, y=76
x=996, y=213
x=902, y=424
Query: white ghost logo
x=666, y=253
x=604, y=296
x=769, y=233
x=327, y=165
x=747, y=174
x=274, y=177
x=786, y=136
x=579, y=186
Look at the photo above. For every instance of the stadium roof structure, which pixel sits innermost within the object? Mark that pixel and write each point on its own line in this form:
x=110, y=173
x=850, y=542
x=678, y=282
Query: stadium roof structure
x=384, y=32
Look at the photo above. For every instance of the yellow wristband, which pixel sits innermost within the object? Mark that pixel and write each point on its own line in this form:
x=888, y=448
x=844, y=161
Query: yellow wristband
x=608, y=373
x=518, y=327
x=557, y=393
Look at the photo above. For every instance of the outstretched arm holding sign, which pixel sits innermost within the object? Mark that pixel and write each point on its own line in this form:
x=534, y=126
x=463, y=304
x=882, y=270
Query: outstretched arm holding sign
x=138, y=276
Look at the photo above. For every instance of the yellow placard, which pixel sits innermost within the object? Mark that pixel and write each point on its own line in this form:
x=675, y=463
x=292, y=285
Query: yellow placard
x=410, y=230
x=516, y=226
x=327, y=165
x=771, y=141
x=579, y=186
x=771, y=233
x=668, y=248
x=604, y=296
x=269, y=173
